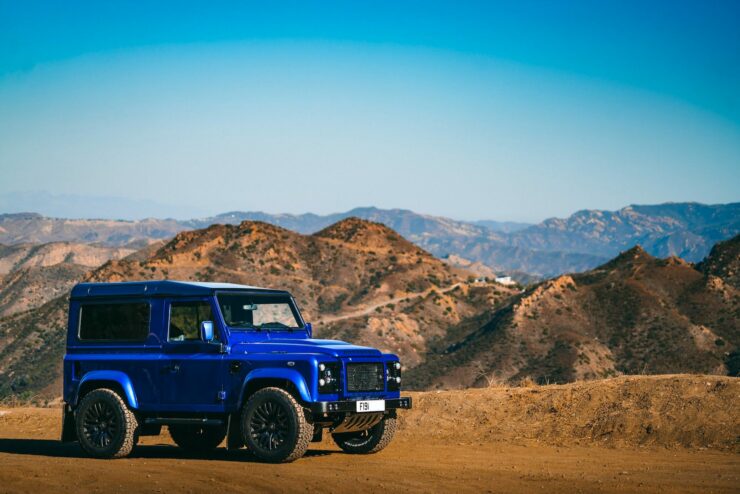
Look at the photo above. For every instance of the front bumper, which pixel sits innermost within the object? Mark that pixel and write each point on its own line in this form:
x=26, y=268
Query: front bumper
x=351, y=406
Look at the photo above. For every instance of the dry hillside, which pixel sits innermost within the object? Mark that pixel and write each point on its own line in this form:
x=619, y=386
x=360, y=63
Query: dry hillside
x=20, y=256
x=724, y=262
x=633, y=315
x=33, y=274
x=356, y=280
x=362, y=282
x=34, y=228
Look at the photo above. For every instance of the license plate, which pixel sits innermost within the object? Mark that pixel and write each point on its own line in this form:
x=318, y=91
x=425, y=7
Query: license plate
x=371, y=406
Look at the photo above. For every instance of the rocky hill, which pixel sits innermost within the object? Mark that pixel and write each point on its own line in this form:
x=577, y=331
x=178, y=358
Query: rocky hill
x=356, y=279
x=724, y=262
x=635, y=314
x=31, y=275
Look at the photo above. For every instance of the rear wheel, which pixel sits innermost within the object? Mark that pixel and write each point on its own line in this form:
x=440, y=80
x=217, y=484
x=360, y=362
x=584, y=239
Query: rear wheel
x=106, y=428
x=274, y=426
x=196, y=438
x=369, y=441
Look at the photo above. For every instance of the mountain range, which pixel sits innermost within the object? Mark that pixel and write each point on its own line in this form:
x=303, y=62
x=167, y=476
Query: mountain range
x=555, y=246
x=355, y=279
x=363, y=282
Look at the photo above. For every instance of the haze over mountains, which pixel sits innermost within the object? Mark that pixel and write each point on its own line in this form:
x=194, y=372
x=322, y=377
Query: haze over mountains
x=582, y=241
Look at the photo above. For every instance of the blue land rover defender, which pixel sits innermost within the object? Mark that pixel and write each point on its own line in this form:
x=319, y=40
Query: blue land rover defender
x=215, y=361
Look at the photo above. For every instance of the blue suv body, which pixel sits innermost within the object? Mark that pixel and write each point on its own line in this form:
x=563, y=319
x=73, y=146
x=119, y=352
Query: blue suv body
x=213, y=361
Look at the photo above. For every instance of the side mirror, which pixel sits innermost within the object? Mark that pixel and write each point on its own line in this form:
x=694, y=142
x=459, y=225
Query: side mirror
x=309, y=330
x=206, y=331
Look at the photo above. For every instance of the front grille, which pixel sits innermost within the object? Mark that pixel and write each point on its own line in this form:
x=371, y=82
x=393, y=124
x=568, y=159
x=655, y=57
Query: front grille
x=365, y=377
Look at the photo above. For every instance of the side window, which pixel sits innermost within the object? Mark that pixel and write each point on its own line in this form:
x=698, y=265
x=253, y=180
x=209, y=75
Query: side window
x=185, y=319
x=110, y=322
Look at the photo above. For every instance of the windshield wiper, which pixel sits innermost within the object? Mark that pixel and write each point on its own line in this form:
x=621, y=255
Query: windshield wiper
x=244, y=324
x=275, y=325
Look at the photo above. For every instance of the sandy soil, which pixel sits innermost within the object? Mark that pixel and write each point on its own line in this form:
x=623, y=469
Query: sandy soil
x=507, y=440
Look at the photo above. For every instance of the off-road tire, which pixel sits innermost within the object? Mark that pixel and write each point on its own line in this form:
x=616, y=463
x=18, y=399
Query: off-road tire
x=103, y=409
x=366, y=442
x=291, y=434
x=197, y=438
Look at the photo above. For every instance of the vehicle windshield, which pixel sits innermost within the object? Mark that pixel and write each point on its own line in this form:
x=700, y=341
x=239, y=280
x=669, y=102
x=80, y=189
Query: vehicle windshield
x=258, y=311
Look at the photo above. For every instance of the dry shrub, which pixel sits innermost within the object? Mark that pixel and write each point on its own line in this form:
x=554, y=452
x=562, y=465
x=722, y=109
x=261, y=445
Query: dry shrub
x=528, y=382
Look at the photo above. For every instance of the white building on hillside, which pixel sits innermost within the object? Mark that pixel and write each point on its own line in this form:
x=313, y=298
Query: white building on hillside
x=505, y=280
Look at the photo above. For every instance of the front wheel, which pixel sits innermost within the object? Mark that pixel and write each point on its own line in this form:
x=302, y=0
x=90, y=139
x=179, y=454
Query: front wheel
x=274, y=426
x=369, y=441
x=106, y=428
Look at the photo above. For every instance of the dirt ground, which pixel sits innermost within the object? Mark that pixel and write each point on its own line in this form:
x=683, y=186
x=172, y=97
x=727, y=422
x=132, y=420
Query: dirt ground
x=546, y=439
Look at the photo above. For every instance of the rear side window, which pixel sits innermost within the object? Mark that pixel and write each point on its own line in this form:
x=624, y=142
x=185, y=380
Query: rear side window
x=111, y=322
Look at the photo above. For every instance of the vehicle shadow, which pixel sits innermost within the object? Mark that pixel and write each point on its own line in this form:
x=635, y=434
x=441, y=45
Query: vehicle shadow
x=58, y=449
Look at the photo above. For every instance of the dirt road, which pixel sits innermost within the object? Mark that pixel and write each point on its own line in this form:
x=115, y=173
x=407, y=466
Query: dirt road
x=33, y=461
x=371, y=308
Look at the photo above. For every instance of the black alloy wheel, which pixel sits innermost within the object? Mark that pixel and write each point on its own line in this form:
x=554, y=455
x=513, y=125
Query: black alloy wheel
x=274, y=426
x=269, y=425
x=100, y=425
x=106, y=428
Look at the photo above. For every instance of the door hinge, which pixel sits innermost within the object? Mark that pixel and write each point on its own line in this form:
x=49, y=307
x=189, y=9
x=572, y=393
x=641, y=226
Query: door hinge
x=221, y=395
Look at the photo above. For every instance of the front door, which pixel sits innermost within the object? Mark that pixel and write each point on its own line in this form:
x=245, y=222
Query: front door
x=192, y=377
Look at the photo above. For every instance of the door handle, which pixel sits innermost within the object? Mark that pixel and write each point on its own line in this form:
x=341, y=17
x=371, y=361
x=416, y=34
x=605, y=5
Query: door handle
x=173, y=368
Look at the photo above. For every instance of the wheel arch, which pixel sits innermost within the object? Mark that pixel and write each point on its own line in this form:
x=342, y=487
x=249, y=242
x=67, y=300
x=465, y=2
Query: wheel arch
x=115, y=380
x=290, y=380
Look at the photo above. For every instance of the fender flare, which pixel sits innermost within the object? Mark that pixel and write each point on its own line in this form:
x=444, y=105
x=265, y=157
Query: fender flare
x=117, y=377
x=291, y=375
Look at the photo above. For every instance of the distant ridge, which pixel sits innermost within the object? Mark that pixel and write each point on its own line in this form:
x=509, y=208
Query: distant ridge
x=557, y=245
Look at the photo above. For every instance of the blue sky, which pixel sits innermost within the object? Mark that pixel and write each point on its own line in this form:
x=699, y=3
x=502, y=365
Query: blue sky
x=516, y=111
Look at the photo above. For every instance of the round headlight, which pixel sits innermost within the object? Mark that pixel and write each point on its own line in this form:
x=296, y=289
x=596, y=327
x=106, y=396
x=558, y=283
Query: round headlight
x=322, y=382
x=398, y=380
x=322, y=367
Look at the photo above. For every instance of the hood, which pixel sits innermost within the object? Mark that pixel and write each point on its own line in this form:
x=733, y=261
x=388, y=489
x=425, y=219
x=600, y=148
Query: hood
x=334, y=348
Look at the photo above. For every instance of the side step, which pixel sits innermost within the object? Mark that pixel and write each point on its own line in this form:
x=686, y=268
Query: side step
x=181, y=421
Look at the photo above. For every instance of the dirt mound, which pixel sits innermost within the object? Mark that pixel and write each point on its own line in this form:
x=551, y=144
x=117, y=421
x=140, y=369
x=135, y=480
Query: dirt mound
x=668, y=411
